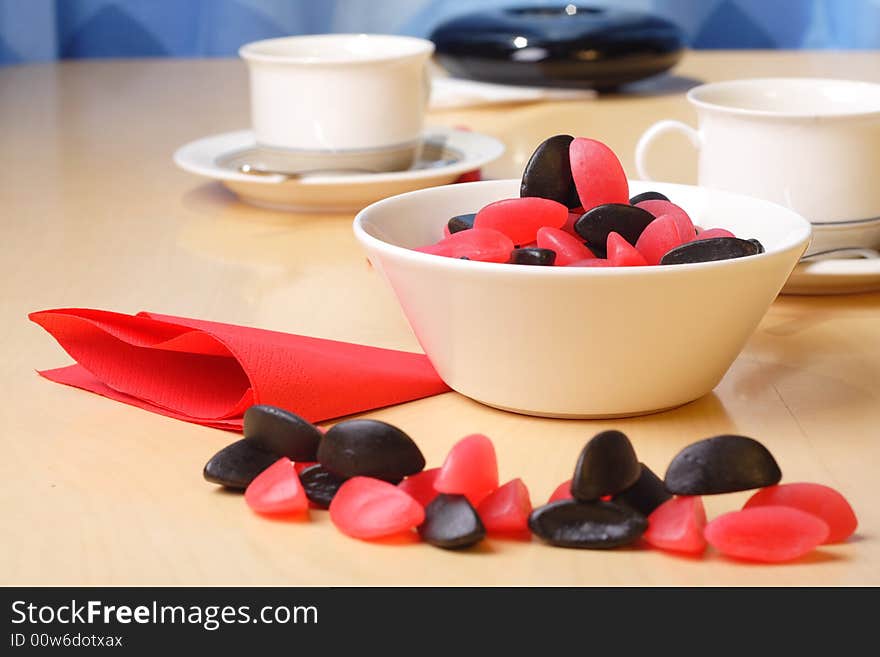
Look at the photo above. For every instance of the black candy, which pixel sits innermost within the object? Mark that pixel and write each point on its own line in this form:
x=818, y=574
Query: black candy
x=714, y=248
x=723, y=464
x=594, y=525
x=369, y=448
x=627, y=220
x=648, y=196
x=281, y=432
x=757, y=244
x=607, y=465
x=320, y=485
x=452, y=523
x=646, y=494
x=532, y=256
x=548, y=172
x=461, y=222
x=237, y=465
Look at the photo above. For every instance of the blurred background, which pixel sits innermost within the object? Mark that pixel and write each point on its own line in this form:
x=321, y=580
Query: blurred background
x=42, y=30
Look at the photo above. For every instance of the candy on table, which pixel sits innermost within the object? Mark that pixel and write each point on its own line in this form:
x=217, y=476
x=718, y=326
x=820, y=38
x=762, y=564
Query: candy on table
x=607, y=465
x=627, y=220
x=482, y=244
x=822, y=501
x=421, y=486
x=470, y=469
x=520, y=218
x=277, y=490
x=722, y=464
x=659, y=237
x=281, y=432
x=369, y=448
x=506, y=510
x=369, y=508
x=646, y=494
x=567, y=247
x=709, y=249
x=598, y=175
x=533, y=256
x=623, y=254
x=320, y=485
x=561, y=492
x=766, y=533
x=237, y=465
x=591, y=525
x=451, y=522
x=677, y=526
x=547, y=174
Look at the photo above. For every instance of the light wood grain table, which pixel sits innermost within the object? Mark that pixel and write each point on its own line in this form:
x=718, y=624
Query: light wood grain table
x=93, y=213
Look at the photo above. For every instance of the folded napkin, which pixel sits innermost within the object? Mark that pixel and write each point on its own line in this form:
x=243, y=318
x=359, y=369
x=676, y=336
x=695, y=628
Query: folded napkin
x=210, y=373
x=449, y=93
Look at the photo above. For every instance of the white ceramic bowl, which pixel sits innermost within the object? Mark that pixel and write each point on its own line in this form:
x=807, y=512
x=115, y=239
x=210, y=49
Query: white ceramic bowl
x=580, y=342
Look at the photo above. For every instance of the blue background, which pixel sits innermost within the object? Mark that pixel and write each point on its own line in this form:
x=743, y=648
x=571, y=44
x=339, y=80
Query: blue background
x=40, y=30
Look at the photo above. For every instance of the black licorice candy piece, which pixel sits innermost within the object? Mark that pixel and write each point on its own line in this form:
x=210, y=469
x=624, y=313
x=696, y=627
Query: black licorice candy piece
x=607, y=465
x=648, y=196
x=627, y=220
x=451, y=522
x=723, y=464
x=593, y=525
x=548, y=172
x=461, y=222
x=369, y=448
x=714, y=248
x=757, y=244
x=237, y=465
x=320, y=484
x=646, y=494
x=281, y=432
x=533, y=256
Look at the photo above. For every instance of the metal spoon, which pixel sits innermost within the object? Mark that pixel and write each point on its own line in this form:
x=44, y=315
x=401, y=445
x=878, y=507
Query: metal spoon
x=855, y=251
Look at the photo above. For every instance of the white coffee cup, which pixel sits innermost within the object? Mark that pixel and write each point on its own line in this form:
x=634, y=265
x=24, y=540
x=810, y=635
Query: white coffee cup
x=338, y=101
x=810, y=144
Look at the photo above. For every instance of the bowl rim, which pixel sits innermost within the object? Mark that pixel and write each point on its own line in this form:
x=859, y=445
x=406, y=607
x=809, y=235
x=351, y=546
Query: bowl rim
x=799, y=242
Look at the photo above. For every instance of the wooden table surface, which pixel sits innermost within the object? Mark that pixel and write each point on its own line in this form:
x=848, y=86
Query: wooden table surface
x=95, y=214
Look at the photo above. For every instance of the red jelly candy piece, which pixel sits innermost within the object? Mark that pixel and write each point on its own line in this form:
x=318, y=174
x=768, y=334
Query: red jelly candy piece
x=766, y=533
x=507, y=509
x=475, y=244
x=446, y=232
x=821, y=501
x=470, y=469
x=562, y=492
x=520, y=218
x=421, y=486
x=598, y=174
x=370, y=508
x=568, y=226
x=567, y=247
x=658, y=238
x=677, y=525
x=658, y=208
x=591, y=262
x=470, y=176
x=277, y=490
x=712, y=232
x=623, y=254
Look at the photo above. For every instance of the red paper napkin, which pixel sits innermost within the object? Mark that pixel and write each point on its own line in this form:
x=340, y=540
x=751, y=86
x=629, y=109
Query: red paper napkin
x=209, y=373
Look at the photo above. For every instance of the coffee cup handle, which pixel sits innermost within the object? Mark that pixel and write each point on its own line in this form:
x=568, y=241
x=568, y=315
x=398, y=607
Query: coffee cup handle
x=655, y=131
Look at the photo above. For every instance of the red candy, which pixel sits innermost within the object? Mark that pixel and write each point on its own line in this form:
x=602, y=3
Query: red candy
x=421, y=486
x=370, y=508
x=277, y=490
x=567, y=247
x=677, y=526
x=659, y=208
x=470, y=469
x=470, y=176
x=598, y=175
x=821, y=501
x=712, y=232
x=568, y=226
x=623, y=254
x=507, y=509
x=591, y=262
x=520, y=218
x=766, y=533
x=475, y=244
x=658, y=238
x=562, y=492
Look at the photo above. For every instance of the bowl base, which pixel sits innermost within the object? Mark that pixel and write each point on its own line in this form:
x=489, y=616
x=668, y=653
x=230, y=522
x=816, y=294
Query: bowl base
x=583, y=416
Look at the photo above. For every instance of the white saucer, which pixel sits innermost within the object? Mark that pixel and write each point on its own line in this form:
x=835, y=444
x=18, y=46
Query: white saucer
x=839, y=276
x=449, y=153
